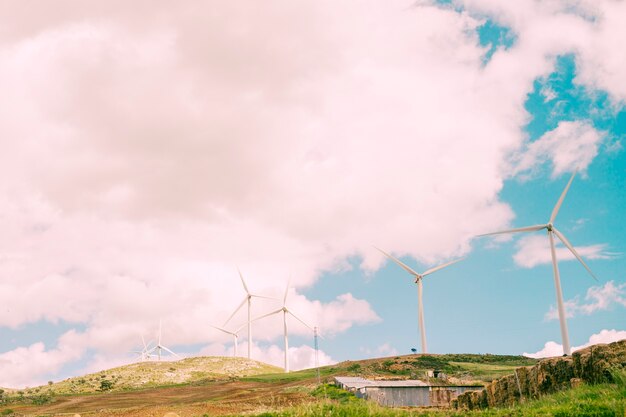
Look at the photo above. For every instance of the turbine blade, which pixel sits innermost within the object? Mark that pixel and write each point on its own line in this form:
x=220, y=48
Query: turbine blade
x=167, y=350
x=437, y=268
x=571, y=248
x=236, y=310
x=520, y=229
x=266, y=315
x=399, y=262
x=222, y=330
x=555, y=211
x=240, y=328
x=160, y=323
x=245, y=287
x=286, y=291
x=299, y=319
x=144, y=342
x=263, y=296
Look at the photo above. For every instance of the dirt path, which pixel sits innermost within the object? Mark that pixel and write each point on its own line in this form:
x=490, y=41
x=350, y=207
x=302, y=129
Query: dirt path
x=216, y=398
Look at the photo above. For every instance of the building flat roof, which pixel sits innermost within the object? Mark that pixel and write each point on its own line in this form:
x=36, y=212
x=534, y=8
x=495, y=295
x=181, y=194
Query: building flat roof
x=356, y=382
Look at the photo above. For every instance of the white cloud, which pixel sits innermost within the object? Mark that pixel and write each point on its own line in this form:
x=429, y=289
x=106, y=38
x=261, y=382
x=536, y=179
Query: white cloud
x=571, y=146
x=552, y=349
x=148, y=150
x=598, y=298
x=29, y=366
x=386, y=349
x=533, y=250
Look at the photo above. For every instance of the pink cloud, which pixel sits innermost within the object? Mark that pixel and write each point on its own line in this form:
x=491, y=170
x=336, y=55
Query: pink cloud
x=552, y=349
x=598, y=298
x=148, y=150
x=533, y=250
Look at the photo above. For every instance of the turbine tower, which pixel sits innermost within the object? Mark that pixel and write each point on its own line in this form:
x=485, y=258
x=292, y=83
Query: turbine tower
x=247, y=300
x=285, y=311
x=159, y=347
x=234, y=334
x=552, y=231
x=418, y=281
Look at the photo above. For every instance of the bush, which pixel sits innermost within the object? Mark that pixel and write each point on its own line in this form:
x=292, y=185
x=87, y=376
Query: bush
x=333, y=392
x=106, y=385
x=355, y=367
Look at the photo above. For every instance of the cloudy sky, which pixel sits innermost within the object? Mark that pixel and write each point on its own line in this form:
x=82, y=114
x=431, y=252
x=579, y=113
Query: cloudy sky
x=150, y=149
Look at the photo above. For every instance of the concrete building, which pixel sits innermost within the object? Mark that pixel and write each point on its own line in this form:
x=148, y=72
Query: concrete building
x=407, y=393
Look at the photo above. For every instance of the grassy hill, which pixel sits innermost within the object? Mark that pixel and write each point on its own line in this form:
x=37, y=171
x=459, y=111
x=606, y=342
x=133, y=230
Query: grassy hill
x=602, y=400
x=459, y=368
x=223, y=386
x=200, y=387
x=160, y=373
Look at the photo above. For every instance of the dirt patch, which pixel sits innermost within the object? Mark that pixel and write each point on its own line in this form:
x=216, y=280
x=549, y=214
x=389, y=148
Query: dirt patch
x=217, y=398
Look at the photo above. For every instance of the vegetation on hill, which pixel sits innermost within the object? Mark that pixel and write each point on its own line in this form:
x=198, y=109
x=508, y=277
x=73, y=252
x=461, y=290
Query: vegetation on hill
x=200, y=387
x=153, y=374
x=602, y=400
x=458, y=368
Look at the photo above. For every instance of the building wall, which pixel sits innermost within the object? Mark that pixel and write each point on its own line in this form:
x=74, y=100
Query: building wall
x=399, y=396
x=413, y=396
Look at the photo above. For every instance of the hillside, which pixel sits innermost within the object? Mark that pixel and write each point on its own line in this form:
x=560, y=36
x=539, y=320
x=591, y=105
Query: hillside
x=235, y=386
x=155, y=373
x=458, y=368
x=228, y=386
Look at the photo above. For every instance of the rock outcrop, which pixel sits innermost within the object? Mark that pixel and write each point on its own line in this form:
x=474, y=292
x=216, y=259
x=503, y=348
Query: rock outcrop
x=593, y=365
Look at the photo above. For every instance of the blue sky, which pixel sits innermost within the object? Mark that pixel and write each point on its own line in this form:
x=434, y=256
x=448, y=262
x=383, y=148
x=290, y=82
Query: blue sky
x=146, y=158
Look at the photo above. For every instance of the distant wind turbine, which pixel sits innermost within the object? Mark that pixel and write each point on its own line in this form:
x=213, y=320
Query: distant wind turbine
x=144, y=354
x=552, y=231
x=247, y=300
x=418, y=281
x=234, y=334
x=159, y=347
x=285, y=311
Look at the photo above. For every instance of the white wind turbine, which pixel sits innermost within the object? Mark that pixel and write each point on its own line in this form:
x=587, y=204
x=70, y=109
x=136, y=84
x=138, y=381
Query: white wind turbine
x=418, y=281
x=552, y=231
x=159, y=347
x=247, y=300
x=144, y=354
x=285, y=311
x=234, y=334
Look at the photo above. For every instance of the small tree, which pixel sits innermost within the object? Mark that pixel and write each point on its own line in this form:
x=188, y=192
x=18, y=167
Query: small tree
x=106, y=385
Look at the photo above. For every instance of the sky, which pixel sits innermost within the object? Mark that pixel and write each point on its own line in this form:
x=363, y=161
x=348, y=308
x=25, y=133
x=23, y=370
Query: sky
x=151, y=149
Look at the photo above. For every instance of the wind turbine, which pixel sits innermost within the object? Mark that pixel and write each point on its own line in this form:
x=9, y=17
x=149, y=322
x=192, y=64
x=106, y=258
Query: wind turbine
x=235, y=335
x=285, y=311
x=159, y=347
x=144, y=354
x=552, y=231
x=247, y=300
x=418, y=281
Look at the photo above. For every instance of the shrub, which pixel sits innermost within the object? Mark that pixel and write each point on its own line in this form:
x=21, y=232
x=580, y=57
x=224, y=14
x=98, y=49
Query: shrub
x=355, y=367
x=106, y=385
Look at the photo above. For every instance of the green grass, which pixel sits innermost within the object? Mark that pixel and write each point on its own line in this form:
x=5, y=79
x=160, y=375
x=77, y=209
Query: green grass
x=292, y=376
x=604, y=400
x=484, y=371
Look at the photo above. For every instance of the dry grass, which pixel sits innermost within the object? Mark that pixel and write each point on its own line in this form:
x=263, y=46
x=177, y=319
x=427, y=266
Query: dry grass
x=163, y=373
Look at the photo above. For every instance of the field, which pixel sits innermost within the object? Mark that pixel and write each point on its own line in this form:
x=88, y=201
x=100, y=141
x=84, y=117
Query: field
x=241, y=387
x=231, y=386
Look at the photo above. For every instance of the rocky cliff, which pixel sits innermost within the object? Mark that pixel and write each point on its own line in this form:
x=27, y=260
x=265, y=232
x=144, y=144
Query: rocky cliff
x=593, y=365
